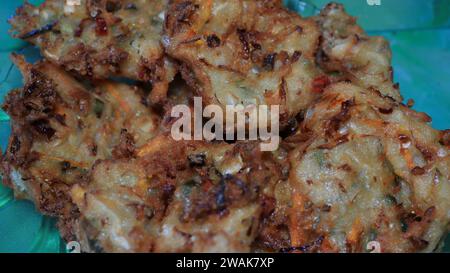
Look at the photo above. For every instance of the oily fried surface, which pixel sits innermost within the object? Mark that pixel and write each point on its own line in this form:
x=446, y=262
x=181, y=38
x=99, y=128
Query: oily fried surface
x=100, y=38
x=60, y=128
x=176, y=197
x=245, y=52
x=351, y=54
x=365, y=168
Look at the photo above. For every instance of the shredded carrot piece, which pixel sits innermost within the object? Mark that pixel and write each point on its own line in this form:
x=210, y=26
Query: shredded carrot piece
x=189, y=34
x=297, y=236
x=355, y=232
x=406, y=153
x=204, y=15
x=59, y=110
x=377, y=124
x=123, y=104
x=153, y=145
x=327, y=246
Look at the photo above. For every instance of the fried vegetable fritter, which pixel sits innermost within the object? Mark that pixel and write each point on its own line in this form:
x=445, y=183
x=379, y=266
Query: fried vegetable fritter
x=175, y=197
x=366, y=168
x=101, y=38
x=350, y=53
x=60, y=128
x=245, y=52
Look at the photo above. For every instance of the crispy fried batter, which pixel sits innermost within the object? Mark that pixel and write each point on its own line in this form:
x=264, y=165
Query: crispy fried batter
x=368, y=169
x=60, y=128
x=249, y=52
x=101, y=38
x=193, y=196
x=347, y=50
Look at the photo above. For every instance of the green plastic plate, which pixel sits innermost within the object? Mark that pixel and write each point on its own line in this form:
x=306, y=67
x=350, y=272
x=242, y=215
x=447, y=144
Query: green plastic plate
x=419, y=32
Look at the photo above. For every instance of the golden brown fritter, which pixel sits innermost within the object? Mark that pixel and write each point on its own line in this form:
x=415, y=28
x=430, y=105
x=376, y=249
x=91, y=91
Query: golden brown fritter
x=366, y=168
x=176, y=197
x=351, y=54
x=245, y=52
x=101, y=38
x=60, y=128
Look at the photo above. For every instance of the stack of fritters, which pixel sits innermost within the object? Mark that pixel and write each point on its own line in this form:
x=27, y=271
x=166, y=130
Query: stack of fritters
x=355, y=165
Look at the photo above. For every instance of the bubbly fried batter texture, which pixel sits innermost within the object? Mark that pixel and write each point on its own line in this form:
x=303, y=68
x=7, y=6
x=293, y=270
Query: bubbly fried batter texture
x=100, y=38
x=245, y=52
x=60, y=128
x=366, y=168
x=176, y=197
x=349, y=52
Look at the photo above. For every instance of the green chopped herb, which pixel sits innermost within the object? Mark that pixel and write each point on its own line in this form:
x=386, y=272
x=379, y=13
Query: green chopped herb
x=403, y=225
x=98, y=108
x=390, y=200
x=187, y=187
x=319, y=156
x=373, y=234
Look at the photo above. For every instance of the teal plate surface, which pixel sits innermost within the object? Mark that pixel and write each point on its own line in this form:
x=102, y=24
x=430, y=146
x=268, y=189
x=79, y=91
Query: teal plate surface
x=419, y=32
